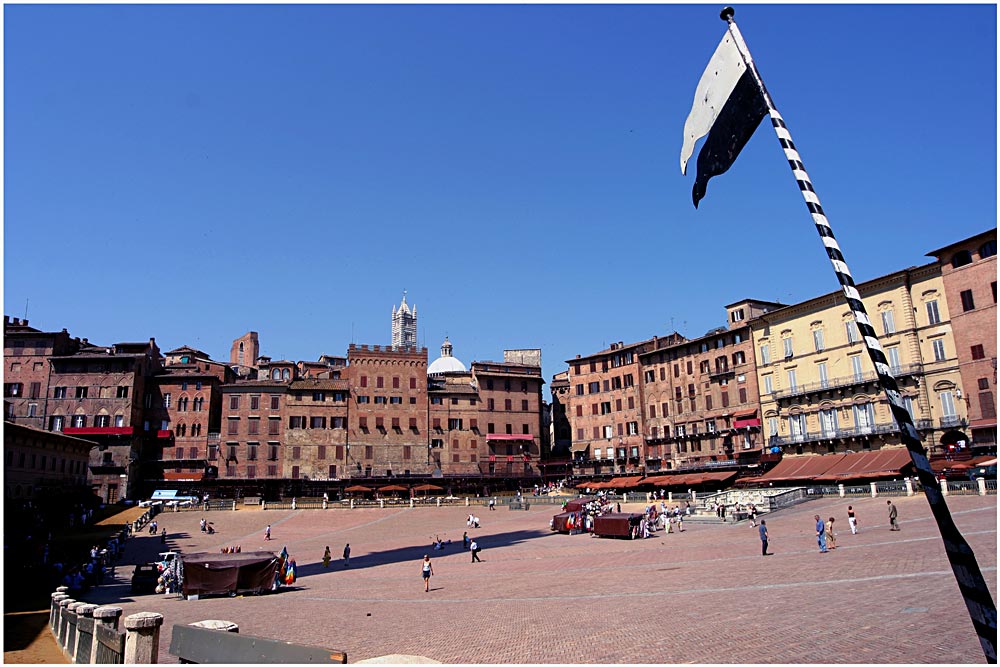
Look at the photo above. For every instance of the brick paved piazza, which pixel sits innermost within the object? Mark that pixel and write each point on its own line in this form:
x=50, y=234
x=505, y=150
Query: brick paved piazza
x=704, y=596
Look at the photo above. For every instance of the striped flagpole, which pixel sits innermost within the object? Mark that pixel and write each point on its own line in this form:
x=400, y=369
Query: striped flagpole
x=970, y=579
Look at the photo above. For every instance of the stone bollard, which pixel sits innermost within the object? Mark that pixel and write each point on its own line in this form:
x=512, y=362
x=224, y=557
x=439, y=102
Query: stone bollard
x=840, y=489
x=352, y=503
x=54, y=611
x=909, y=486
x=222, y=626
x=411, y=499
x=670, y=496
x=142, y=643
x=108, y=617
x=326, y=503
x=439, y=502
x=61, y=634
x=234, y=505
x=381, y=503
x=944, y=487
x=83, y=611
x=62, y=589
x=466, y=502
x=981, y=483
x=263, y=504
x=293, y=503
x=65, y=641
x=874, y=490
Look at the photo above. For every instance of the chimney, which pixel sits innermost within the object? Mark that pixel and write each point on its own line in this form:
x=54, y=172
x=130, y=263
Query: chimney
x=24, y=322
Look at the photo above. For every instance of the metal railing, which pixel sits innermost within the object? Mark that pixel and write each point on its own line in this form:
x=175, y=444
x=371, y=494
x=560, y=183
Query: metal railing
x=970, y=488
x=894, y=488
x=991, y=486
x=875, y=429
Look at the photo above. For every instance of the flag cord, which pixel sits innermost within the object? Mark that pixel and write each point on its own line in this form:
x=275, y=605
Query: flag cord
x=975, y=592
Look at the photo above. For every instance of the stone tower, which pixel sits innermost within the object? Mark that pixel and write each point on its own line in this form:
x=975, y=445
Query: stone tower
x=404, y=325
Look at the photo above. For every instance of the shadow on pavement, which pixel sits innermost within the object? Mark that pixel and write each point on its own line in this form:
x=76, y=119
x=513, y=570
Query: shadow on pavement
x=416, y=553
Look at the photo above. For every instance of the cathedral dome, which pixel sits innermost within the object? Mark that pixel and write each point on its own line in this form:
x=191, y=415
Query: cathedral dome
x=446, y=363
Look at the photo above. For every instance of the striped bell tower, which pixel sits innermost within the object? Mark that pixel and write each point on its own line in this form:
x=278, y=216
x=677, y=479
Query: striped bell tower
x=404, y=325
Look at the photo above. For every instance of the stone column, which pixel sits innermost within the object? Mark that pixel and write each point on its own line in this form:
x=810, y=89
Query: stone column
x=840, y=489
x=981, y=483
x=909, y=486
x=108, y=617
x=944, y=487
x=71, y=608
x=293, y=503
x=83, y=611
x=61, y=634
x=223, y=626
x=142, y=643
x=874, y=490
x=54, y=611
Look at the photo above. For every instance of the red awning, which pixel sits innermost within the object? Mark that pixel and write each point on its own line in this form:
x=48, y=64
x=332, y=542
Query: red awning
x=744, y=423
x=184, y=476
x=165, y=434
x=743, y=414
x=508, y=436
x=990, y=422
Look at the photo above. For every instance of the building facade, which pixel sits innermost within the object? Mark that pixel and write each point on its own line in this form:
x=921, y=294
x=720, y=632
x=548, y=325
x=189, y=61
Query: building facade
x=969, y=272
x=819, y=392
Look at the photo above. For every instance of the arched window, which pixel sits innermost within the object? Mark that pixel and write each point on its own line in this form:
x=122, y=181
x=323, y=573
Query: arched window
x=276, y=374
x=239, y=358
x=961, y=258
x=285, y=374
x=988, y=249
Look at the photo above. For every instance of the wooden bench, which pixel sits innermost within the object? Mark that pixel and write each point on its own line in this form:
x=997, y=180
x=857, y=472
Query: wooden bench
x=194, y=645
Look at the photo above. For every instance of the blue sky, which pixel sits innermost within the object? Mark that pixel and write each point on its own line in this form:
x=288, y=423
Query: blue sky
x=195, y=172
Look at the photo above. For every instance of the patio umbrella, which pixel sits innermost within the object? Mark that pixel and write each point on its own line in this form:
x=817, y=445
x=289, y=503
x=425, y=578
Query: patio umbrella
x=427, y=487
x=393, y=487
x=358, y=488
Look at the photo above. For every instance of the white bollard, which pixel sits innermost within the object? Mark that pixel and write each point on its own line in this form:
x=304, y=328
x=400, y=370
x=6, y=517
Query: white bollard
x=944, y=487
x=439, y=502
x=108, y=617
x=234, y=505
x=840, y=488
x=411, y=503
x=981, y=483
x=874, y=490
x=909, y=486
x=352, y=503
x=82, y=611
x=325, y=503
x=293, y=503
x=381, y=503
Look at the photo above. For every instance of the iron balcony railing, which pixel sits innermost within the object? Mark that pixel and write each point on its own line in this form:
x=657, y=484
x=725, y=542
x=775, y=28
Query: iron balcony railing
x=832, y=434
x=951, y=421
x=845, y=381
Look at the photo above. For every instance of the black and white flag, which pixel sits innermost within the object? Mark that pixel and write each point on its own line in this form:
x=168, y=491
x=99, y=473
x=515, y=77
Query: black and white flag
x=728, y=107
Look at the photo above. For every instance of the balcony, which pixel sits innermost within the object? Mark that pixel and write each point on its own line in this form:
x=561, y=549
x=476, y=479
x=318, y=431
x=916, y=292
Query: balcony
x=952, y=421
x=908, y=370
x=832, y=434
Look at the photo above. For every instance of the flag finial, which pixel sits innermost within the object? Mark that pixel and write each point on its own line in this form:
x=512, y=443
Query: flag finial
x=727, y=14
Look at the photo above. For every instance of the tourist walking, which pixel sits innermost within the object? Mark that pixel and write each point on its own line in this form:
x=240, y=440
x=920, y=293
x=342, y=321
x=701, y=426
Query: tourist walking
x=475, y=552
x=267, y=533
x=493, y=503
x=427, y=570
x=852, y=520
x=465, y=541
x=831, y=537
x=753, y=515
x=820, y=534
x=762, y=529
x=326, y=557
x=347, y=554
x=893, y=516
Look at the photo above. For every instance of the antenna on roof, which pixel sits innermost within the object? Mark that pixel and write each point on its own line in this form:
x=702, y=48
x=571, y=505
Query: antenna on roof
x=25, y=308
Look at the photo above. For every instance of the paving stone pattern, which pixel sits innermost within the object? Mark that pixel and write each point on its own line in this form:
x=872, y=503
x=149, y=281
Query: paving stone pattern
x=704, y=596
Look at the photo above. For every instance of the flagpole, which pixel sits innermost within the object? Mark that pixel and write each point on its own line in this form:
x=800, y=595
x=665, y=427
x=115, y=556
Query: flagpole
x=978, y=599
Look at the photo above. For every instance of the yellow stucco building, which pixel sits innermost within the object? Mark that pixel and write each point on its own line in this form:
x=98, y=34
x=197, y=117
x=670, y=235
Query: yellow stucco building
x=818, y=389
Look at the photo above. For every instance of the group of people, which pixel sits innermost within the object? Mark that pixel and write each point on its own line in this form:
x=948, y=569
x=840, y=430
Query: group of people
x=327, y=556
x=472, y=521
x=206, y=526
x=826, y=535
x=231, y=550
